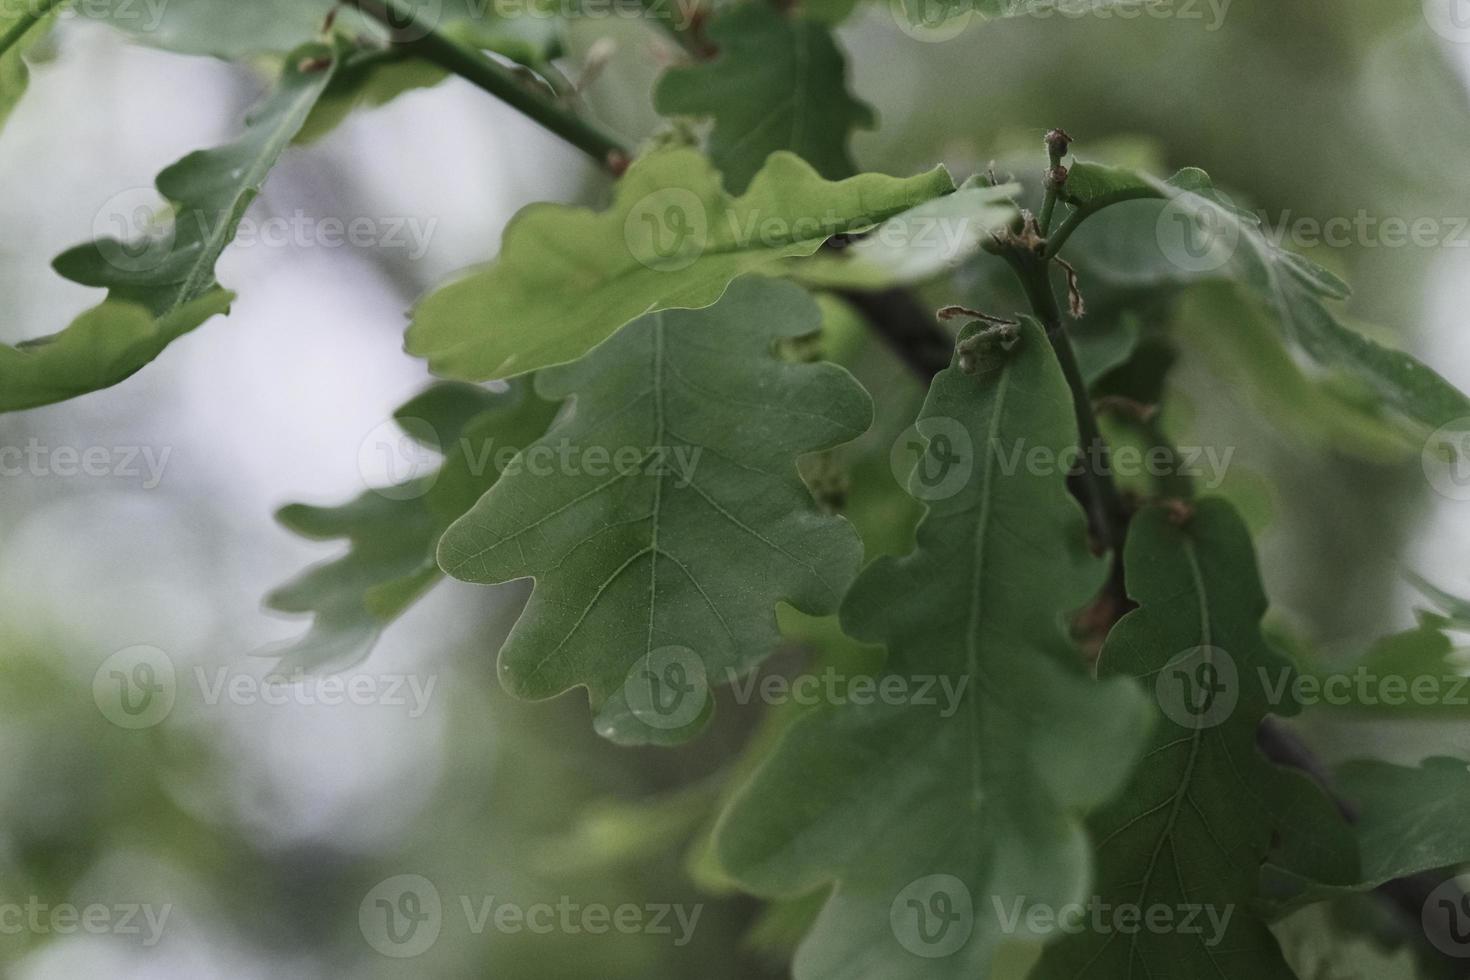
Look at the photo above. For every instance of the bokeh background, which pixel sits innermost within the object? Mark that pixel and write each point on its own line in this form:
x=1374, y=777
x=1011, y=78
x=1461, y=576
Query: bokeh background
x=264, y=827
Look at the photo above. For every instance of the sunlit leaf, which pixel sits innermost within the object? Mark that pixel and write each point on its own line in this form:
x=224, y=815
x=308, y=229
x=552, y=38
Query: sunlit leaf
x=568, y=278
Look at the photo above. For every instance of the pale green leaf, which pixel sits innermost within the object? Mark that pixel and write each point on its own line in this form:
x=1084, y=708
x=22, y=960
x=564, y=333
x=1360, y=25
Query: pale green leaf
x=989, y=789
x=568, y=278
x=920, y=244
x=393, y=532
x=162, y=285
x=675, y=520
x=1200, y=234
x=778, y=82
x=1197, y=823
x=20, y=29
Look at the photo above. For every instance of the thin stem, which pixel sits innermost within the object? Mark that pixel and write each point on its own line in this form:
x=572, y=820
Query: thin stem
x=1104, y=503
x=413, y=34
x=1048, y=205
x=30, y=17
x=1069, y=224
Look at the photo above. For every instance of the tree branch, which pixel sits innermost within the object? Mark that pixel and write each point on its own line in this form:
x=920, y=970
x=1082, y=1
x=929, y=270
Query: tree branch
x=411, y=33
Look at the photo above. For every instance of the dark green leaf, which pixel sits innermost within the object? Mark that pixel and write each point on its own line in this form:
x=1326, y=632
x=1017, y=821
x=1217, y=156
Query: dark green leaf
x=393, y=532
x=1196, y=825
x=980, y=797
x=663, y=519
x=779, y=82
x=1201, y=234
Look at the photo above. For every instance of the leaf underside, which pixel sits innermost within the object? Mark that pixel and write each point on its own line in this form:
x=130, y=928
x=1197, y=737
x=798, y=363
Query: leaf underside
x=393, y=532
x=161, y=288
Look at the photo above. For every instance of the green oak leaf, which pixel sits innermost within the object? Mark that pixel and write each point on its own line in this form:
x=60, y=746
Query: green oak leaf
x=663, y=518
x=394, y=531
x=909, y=805
x=942, y=16
x=920, y=244
x=1409, y=820
x=1418, y=673
x=1200, y=234
x=1198, y=822
x=20, y=29
x=568, y=278
x=162, y=285
x=779, y=82
x=1336, y=942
